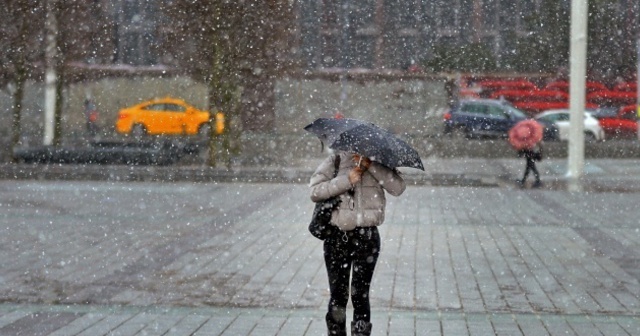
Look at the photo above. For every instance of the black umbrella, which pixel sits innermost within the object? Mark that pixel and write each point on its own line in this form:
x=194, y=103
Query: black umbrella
x=366, y=139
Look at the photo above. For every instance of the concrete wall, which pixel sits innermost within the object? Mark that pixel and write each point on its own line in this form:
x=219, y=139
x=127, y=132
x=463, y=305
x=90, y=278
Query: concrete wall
x=403, y=106
x=412, y=107
x=110, y=95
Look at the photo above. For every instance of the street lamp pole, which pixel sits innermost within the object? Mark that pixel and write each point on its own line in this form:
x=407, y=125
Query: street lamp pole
x=344, y=53
x=578, y=61
x=50, y=77
x=638, y=84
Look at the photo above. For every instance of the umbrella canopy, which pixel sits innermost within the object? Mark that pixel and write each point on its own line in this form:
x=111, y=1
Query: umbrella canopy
x=525, y=134
x=366, y=139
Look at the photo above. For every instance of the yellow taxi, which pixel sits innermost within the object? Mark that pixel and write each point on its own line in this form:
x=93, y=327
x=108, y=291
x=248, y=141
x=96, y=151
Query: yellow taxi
x=166, y=116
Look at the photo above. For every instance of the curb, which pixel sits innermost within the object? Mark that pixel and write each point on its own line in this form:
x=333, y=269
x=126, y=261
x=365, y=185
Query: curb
x=143, y=173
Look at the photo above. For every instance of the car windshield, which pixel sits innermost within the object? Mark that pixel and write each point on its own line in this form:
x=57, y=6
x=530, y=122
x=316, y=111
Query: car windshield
x=545, y=118
x=604, y=112
x=515, y=112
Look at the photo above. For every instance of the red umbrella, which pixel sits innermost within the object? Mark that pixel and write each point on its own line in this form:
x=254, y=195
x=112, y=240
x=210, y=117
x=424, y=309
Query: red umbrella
x=525, y=134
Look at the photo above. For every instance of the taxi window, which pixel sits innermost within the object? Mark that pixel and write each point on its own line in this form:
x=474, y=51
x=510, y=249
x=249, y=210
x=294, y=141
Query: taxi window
x=174, y=108
x=154, y=107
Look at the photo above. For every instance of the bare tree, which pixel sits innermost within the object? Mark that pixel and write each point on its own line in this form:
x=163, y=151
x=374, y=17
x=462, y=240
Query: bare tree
x=22, y=37
x=20, y=41
x=73, y=40
x=238, y=48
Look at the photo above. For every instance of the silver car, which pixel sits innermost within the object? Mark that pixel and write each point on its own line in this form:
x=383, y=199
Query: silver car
x=592, y=129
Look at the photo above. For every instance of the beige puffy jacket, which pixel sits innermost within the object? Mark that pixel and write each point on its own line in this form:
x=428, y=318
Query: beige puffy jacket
x=363, y=204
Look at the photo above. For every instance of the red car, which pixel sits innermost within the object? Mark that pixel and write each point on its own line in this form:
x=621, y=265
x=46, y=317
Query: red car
x=618, y=122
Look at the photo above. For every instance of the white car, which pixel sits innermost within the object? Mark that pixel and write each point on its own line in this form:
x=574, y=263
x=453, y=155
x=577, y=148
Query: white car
x=592, y=129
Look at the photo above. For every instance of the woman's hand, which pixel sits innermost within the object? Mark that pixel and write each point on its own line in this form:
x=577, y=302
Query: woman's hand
x=355, y=175
x=362, y=162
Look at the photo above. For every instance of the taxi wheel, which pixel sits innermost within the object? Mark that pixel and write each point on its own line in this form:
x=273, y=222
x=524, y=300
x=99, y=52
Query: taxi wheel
x=138, y=131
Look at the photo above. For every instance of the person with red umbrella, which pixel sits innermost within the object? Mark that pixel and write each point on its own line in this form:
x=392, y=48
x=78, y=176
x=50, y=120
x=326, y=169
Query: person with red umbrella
x=526, y=138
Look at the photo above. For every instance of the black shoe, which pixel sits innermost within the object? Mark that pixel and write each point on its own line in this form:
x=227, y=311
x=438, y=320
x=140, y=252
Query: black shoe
x=360, y=328
x=538, y=184
x=336, y=328
x=520, y=183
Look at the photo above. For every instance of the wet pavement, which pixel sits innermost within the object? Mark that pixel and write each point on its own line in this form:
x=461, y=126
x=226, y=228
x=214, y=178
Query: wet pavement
x=616, y=175
x=465, y=252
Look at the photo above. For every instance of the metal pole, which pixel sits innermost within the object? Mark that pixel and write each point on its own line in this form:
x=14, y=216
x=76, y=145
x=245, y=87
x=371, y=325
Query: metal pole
x=50, y=76
x=638, y=85
x=577, y=92
x=344, y=54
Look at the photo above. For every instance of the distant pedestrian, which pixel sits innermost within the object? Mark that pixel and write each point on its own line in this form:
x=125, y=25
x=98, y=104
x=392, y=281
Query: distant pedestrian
x=414, y=67
x=352, y=248
x=91, y=117
x=531, y=156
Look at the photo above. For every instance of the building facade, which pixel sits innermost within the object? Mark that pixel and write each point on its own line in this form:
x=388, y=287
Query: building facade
x=394, y=34
x=390, y=34
x=130, y=32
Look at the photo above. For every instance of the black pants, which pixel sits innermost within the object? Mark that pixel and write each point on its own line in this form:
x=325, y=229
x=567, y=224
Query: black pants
x=531, y=166
x=358, y=249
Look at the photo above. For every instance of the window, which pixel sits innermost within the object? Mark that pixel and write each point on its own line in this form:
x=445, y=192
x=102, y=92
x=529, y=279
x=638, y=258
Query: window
x=174, y=108
x=495, y=111
x=475, y=109
x=363, y=14
x=447, y=16
x=515, y=112
x=154, y=107
x=135, y=33
x=490, y=18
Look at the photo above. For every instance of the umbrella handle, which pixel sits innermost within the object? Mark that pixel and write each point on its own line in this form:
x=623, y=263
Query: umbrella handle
x=359, y=161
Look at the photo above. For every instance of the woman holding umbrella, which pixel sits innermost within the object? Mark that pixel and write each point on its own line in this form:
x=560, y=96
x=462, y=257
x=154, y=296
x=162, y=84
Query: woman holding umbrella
x=362, y=169
x=355, y=244
x=531, y=156
x=526, y=138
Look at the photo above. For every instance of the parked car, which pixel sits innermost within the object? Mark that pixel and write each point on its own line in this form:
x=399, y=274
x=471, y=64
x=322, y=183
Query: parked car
x=592, y=129
x=482, y=118
x=550, y=130
x=164, y=116
x=617, y=122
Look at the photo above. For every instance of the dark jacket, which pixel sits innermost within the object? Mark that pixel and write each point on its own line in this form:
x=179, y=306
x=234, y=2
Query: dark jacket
x=533, y=154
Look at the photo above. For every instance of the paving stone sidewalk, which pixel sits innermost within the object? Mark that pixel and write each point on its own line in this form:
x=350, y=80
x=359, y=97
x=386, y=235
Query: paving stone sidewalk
x=145, y=258
x=617, y=175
